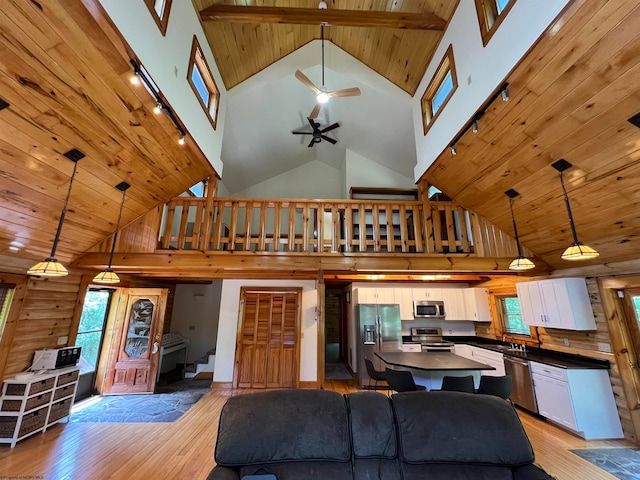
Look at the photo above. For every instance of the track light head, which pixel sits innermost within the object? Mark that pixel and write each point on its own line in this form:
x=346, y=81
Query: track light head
x=474, y=126
x=504, y=93
x=453, y=150
x=181, y=140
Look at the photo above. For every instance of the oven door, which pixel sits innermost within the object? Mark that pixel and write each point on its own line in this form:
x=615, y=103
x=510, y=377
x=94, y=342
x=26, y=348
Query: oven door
x=426, y=347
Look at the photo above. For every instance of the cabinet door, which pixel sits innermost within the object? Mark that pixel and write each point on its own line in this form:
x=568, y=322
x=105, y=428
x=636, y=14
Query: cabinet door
x=385, y=295
x=454, y=304
x=477, y=304
x=462, y=350
x=554, y=400
x=367, y=295
x=428, y=293
x=404, y=298
x=557, y=304
x=530, y=303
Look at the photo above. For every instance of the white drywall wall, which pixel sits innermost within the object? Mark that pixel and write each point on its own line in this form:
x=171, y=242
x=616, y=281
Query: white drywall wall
x=228, y=324
x=166, y=58
x=362, y=172
x=480, y=70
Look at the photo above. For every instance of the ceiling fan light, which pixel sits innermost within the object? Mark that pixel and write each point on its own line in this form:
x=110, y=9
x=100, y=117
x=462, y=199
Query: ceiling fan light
x=521, y=263
x=578, y=251
x=49, y=268
x=322, y=97
x=108, y=276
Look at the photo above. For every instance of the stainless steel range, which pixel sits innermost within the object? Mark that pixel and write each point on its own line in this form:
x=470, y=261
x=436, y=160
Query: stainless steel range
x=431, y=339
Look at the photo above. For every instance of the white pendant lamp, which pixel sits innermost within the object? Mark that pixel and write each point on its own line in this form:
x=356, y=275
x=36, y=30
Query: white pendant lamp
x=520, y=262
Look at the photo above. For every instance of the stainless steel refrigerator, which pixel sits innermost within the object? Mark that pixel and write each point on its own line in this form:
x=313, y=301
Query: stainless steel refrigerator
x=379, y=330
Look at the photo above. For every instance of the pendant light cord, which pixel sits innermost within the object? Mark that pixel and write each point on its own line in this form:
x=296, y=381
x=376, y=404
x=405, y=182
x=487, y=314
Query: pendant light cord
x=64, y=212
x=515, y=228
x=566, y=202
x=322, y=36
x=115, y=234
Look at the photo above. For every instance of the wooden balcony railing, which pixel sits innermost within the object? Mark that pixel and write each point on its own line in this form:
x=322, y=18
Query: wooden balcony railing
x=328, y=226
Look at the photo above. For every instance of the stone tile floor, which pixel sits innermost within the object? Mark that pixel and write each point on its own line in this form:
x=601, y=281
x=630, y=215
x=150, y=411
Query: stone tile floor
x=623, y=463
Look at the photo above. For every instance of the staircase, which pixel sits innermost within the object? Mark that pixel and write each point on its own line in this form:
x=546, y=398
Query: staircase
x=203, y=366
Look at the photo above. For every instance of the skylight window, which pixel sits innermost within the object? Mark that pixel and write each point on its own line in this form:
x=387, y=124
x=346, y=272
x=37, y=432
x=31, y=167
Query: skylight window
x=440, y=90
x=201, y=80
x=160, y=10
x=491, y=13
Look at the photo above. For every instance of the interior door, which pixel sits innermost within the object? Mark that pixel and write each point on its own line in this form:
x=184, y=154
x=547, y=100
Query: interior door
x=134, y=352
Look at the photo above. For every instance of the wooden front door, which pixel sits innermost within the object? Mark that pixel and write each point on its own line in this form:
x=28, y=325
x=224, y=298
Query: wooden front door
x=268, y=343
x=134, y=352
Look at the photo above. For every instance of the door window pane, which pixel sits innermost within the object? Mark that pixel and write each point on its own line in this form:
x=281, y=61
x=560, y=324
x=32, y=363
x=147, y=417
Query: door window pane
x=94, y=313
x=139, y=333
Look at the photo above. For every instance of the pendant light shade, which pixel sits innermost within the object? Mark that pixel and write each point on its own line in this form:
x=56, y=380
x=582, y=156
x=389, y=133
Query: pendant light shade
x=576, y=251
x=108, y=275
x=51, y=267
x=520, y=262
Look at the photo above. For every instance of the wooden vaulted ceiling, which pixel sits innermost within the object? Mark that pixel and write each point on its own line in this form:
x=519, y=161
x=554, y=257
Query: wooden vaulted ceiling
x=401, y=56
x=571, y=98
x=67, y=83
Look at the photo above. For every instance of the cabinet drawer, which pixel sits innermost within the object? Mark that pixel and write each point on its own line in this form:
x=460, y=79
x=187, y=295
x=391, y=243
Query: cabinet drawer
x=411, y=347
x=548, y=371
x=33, y=402
x=60, y=410
x=33, y=421
x=67, y=378
x=62, y=392
x=8, y=426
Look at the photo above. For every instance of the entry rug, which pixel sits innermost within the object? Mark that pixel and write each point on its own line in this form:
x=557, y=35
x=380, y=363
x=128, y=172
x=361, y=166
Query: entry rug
x=145, y=408
x=624, y=463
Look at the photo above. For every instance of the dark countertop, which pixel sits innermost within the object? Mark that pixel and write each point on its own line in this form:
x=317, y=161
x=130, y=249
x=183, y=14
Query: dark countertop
x=431, y=361
x=554, y=359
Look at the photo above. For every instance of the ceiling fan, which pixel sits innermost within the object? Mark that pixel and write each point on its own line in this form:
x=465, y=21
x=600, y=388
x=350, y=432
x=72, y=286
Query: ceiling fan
x=322, y=95
x=318, y=134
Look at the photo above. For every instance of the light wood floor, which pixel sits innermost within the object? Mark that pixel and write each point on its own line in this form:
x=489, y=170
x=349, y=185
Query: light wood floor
x=184, y=449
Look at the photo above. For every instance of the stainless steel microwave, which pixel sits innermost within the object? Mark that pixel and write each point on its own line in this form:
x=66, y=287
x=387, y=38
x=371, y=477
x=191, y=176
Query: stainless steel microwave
x=428, y=309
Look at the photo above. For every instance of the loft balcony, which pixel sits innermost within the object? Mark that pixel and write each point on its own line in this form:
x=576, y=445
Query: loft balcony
x=236, y=237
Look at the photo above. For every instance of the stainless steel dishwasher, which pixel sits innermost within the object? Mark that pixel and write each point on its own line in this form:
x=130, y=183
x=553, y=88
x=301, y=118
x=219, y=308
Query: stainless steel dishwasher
x=523, y=393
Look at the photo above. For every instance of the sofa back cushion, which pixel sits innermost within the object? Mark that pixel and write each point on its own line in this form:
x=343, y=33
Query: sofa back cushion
x=455, y=427
x=283, y=426
x=372, y=425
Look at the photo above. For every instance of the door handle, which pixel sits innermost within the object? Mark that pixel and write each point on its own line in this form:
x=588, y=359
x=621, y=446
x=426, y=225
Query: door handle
x=155, y=348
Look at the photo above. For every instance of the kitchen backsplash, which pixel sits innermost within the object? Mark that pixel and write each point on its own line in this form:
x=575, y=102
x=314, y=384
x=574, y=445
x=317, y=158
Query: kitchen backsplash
x=448, y=327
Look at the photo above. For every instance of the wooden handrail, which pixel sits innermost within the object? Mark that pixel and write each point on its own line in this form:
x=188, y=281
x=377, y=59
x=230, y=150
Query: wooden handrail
x=327, y=226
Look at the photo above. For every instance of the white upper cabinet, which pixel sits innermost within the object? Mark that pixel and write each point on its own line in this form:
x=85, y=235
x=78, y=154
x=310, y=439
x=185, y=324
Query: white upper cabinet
x=454, y=304
x=367, y=295
x=477, y=304
x=420, y=294
x=386, y=295
x=404, y=298
x=556, y=303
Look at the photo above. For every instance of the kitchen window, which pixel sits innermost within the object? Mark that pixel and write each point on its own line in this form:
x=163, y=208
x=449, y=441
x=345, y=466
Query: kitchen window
x=491, y=13
x=440, y=90
x=159, y=10
x=511, y=317
x=201, y=80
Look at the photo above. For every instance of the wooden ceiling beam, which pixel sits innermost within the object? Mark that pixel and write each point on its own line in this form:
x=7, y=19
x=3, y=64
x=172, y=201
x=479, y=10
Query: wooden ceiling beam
x=314, y=16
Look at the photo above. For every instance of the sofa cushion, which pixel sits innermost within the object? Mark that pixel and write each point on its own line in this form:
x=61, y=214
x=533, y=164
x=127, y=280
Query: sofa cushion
x=372, y=426
x=376, y=469
x=283, y=426
x=440, y=471
x=303, y=470
x=455, y=427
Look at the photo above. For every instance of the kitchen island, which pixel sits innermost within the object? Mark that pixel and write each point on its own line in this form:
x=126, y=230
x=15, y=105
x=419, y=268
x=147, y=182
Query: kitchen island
x=428, y=368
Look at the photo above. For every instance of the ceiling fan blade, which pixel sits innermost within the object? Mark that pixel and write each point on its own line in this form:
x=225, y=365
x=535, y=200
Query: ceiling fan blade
x=329, y=139
x=330, y=127
x=345, y=92
x=302, y=133
x=304, y=79
x=316, y=110
x=312, y=142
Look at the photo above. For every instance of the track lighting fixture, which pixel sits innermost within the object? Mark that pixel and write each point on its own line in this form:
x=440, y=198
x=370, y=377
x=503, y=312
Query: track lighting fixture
x=474, y=126
x=520, y=262
x=108, y=275
x=140, y=75
x=453, y=150
x=50, y=267
x=504, y=93
x=576, y=251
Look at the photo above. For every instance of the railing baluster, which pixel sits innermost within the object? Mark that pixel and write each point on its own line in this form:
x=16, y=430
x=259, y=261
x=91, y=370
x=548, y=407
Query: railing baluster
x=376, y=228
x=305, y=228
x=168, y=226
x=248, y=217
x=182, y=233
x=464, y=236
x=362, y=220
x=348, y=219
x=217, y=229
x=197, y=225
x=404, y=234
x=320, y=234
x=451, y=232
x=292, y=227
x=391, y=238
x=419, y=239
x=233, y=226
x=276, y=228
x=437, y=228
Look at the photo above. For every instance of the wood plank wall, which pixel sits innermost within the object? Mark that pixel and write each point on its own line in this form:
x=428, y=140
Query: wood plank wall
x=580, y=342
x=140, y=236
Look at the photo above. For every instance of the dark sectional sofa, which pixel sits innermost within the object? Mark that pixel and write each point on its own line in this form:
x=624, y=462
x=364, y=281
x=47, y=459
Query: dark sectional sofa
x=322, y=435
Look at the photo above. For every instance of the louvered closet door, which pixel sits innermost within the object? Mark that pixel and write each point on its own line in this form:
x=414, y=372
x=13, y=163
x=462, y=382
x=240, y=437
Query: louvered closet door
x=268, y=355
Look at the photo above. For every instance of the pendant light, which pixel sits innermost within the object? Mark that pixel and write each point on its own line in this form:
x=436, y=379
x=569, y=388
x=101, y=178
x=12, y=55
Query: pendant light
x=108, y=275
x=520, y=262
x=50, y=267
x=576, y=251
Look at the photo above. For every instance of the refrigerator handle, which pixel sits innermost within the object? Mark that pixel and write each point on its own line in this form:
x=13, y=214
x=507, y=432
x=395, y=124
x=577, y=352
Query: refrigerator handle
x=378, y=334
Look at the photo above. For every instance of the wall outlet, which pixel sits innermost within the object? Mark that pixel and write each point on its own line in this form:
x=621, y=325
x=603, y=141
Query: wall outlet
x=604, y=347
x=63, y=340
x=450, y=332
x=566, y=342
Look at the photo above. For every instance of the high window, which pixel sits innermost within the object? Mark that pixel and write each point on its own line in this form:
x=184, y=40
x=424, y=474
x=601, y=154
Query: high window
x=491, y=13
x=200, y=78
x=440, y=89
x=160, y=12
x=6, y=294
x=510, y=316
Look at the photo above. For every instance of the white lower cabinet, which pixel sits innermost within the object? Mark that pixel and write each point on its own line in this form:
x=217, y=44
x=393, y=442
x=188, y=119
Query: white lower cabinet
x=462, y=350
x=489, y=357
x=411, y=347
x=580, y=400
